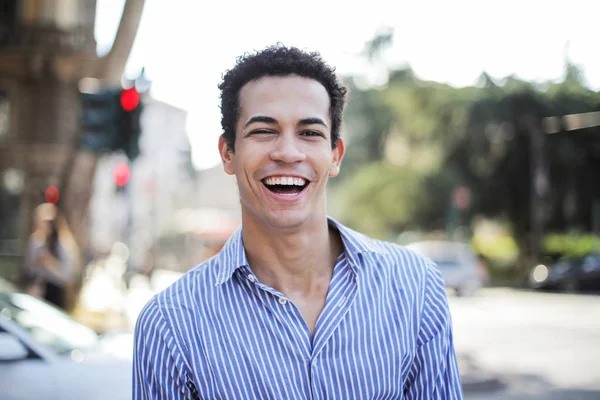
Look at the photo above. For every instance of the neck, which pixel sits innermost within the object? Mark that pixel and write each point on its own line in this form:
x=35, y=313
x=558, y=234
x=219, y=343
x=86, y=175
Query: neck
x=296, y=261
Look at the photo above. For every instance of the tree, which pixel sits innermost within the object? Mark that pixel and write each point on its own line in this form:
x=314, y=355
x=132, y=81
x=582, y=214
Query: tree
x=397, y=136
x=80, y=167
x=412, y=142
x=495, y=157
x=41, y=63
x=382, y=41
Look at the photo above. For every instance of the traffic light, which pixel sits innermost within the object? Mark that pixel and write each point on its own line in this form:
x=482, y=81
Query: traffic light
x=100, y=116
x=130, y=122
x=121, y=174
x=111, y=119
x=52, y=194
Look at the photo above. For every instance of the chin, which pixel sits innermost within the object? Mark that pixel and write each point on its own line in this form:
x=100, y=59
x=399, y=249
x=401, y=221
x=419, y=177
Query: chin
x=286, y=220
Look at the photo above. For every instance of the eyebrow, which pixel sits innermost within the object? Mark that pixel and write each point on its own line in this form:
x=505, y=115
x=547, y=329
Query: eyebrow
x=270, y=120
x=312, y=121
x=261, y=118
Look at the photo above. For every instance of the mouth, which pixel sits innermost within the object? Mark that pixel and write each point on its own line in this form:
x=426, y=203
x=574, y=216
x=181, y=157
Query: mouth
x=285, y=185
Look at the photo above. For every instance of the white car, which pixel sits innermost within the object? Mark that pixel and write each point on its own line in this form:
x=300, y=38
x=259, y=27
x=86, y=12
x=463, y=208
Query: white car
x=44, y=354
x=461, y=269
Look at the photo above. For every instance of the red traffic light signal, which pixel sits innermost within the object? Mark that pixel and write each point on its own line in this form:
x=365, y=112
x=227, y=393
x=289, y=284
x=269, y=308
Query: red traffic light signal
x=130, y=99
x=51, y=194
x=122, y=174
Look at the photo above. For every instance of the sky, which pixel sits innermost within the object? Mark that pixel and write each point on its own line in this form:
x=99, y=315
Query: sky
x=186, y=45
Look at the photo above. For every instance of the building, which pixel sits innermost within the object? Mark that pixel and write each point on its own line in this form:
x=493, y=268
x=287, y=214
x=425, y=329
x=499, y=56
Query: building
x=40, y=42
x=162, y=182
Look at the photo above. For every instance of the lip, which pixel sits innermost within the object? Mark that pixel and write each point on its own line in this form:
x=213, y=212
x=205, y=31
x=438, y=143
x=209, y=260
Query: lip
x=282, y=198
x=285, y=175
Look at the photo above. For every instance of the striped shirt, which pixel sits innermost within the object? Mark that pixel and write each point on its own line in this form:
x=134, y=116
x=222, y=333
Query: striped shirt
x=218, y=333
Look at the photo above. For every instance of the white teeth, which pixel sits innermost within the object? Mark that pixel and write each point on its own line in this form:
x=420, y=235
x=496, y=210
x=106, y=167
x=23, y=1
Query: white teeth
x=285, y=180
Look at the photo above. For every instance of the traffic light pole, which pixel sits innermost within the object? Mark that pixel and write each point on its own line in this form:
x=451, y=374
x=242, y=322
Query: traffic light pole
x=128, y=223
x=122, y=177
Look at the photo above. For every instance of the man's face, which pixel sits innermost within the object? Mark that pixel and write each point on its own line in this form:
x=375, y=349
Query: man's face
x=283, y=155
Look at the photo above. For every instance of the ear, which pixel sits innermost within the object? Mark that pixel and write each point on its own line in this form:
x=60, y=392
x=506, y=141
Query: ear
x=227, y=156
x=338, y=154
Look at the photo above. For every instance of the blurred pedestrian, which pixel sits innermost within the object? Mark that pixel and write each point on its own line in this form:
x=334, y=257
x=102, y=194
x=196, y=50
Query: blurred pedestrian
x=50, y=258
x=295, y=305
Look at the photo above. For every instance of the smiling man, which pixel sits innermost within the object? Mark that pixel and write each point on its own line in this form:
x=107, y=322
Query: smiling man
x=295, y=306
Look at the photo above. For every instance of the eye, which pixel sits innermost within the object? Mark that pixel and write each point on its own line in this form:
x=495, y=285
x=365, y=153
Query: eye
x=312, y=134
x=261, y=132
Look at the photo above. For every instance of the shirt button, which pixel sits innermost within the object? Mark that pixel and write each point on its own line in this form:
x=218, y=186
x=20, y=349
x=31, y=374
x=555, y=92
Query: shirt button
x=251, y=278
x=282, y=301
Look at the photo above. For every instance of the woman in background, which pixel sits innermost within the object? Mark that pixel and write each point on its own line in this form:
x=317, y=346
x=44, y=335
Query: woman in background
x=49, y=265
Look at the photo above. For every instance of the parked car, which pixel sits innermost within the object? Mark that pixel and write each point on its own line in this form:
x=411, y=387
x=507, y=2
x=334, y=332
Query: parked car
x=569, y=274
x=462, y=271
x=45, y=354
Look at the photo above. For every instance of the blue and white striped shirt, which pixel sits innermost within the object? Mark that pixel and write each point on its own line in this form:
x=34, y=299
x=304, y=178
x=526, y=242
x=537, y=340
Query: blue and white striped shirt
x=218, y=333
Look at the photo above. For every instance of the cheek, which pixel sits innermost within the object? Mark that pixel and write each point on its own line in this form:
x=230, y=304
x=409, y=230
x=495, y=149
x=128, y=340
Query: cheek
x=326, y=163
x=247, y=164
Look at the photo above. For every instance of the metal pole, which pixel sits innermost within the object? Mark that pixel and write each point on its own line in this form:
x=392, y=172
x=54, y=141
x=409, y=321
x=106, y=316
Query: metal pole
x=539, y=186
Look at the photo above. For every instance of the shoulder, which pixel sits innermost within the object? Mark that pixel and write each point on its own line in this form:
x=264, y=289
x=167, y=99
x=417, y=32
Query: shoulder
x=199, y=279
x=35, y=242
x=408, y=272
x=421, y=279
x=390, y=256
x=171, y=312
x=410, y=264
x=178, y=302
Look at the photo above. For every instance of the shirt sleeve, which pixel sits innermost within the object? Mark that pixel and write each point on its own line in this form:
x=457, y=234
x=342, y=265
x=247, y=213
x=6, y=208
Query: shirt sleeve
x=158, y=367
x=66, y=263
x=29, y=259
x=434, y=373
x=33, y=269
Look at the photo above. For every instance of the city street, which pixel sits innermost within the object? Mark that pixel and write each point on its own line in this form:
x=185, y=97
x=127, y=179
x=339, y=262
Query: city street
x=511, y=344
x=530, y=345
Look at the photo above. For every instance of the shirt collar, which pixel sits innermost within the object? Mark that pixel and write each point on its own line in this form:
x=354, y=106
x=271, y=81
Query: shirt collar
x=231, y=257
x=233, y=254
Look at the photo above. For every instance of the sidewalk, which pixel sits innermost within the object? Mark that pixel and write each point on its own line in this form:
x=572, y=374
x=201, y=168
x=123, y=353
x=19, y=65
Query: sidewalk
x=474, y=378
x=106, y=304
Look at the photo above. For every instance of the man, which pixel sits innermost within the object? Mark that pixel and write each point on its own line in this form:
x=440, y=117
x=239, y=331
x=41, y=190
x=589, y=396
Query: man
x=295, y=306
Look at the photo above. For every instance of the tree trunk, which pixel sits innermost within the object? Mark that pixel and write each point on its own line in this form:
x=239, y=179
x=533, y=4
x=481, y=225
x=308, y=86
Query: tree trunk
x=41, y=75
x=78, y=192
x=111, y=67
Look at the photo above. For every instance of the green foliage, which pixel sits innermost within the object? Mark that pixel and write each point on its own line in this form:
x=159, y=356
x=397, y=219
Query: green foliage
x=383, y=199
x=410, y=143
x=380, y=198
x=382, y=41
x=368, y=121
x=503, y=249
x=573, y=245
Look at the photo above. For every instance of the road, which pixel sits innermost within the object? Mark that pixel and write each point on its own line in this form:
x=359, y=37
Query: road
x=511, y=344
x=539, y=345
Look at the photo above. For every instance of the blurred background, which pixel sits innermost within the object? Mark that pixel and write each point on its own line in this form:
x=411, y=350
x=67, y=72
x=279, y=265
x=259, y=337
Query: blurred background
x=473, y=137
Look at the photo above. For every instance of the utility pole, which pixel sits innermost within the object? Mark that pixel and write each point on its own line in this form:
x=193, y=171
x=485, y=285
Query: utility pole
x=539, y=186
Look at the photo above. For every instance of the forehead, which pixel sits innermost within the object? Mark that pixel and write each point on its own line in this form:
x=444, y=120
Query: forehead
x=284, y=97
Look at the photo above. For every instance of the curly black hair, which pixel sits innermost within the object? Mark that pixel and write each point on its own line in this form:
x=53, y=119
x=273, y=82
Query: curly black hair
x=279, y=60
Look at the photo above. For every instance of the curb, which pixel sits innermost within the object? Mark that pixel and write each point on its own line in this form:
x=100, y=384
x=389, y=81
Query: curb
x=481, y=383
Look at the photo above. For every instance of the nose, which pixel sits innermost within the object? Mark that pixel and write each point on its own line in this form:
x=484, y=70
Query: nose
x=287, y=149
